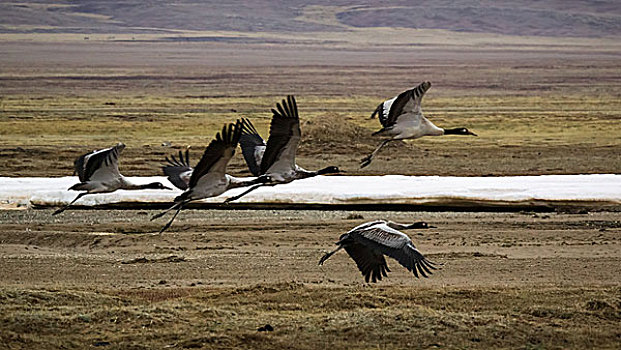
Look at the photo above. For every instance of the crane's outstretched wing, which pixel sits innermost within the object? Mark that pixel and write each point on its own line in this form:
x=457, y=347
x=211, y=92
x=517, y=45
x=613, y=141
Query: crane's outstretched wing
x=218, y=154
x=372, y=265
x=407, y=102
x=284, y=137
x=381, y=238
x=99, y=165
x=252, y=145
x=179, y=170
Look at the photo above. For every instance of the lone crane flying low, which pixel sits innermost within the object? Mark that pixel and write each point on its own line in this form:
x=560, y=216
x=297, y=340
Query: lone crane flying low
x=367, y=244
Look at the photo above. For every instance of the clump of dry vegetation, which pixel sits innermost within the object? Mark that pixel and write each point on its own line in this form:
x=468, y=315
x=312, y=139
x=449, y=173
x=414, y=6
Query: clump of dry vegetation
x=333, y=133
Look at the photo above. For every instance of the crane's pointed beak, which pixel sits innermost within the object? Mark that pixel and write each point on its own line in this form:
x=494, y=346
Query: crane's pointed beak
x=167, y=188
x=431, y=226
x=473, y=134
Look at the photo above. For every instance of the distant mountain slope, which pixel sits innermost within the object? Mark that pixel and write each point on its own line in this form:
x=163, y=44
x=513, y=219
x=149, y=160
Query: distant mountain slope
x=517, y=18
x=520, y=17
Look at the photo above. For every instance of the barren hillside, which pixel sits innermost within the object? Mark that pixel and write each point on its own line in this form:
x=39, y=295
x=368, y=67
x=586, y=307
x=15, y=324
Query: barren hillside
x=577, y=18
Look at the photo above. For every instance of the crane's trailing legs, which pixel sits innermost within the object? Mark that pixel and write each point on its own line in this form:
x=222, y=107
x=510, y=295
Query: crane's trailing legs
x=177, y=206
x=367, y=160
x=68, y=205
x=327, y=255
x=173, y=218
x=166, y=211
x=234, y=198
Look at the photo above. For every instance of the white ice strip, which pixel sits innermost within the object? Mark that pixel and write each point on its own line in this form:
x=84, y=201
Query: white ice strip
x=345, y=190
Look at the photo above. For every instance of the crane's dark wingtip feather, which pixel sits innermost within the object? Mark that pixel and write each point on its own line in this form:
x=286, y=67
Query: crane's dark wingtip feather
x=281, y=110
x=424, y=267
x=247, y=128
x=294, y=106
x=420, y=269
x=238, y=132
x=413, y=269
x=287, y=108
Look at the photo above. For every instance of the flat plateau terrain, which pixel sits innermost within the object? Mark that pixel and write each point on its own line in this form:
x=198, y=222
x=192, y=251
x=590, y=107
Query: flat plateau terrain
x=101, y=278
x=513, y=280
x=542, y=109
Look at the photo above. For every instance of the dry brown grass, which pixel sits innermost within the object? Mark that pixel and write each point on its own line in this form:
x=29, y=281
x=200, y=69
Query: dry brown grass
x=509, y=280
x=306, y=317
x=517, y=135
x=517, y=280
x=546, y=111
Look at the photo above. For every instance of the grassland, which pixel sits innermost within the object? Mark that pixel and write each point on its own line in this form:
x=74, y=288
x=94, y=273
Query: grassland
x=305, y=317
x=575, y=134
x=554, y=116
x=510, y=280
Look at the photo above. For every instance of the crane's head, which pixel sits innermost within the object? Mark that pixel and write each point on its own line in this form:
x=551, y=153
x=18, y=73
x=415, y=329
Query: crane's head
x=459, y=131
x=329, y=170
x=263, y=179
x=156, y=186
x=421, y=225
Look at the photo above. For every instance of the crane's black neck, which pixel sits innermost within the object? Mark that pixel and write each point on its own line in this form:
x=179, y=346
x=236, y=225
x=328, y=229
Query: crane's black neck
x=420, y=225
x=458, y=131
x=328, y=170
x=152, y=185
x=454, y=131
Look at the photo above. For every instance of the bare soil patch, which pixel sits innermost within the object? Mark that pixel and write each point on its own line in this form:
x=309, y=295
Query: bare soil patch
x=102, y=277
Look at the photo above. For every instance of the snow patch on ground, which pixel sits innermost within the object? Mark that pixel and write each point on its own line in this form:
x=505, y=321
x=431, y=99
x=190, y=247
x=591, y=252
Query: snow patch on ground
x=344, y=190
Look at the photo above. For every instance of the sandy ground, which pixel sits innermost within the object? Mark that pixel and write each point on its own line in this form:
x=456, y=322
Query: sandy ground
x=518, y=280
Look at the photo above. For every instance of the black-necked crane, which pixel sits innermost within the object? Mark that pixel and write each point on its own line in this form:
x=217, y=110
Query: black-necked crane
x=179, y=171
x=253, y=147
x=209, y=178
x=367, y=244
x=278, y=160
x=98, y=172
x=402, y=118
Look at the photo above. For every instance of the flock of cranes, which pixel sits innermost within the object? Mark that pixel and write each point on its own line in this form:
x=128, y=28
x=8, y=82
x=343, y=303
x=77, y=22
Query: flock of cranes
x=273, y=163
